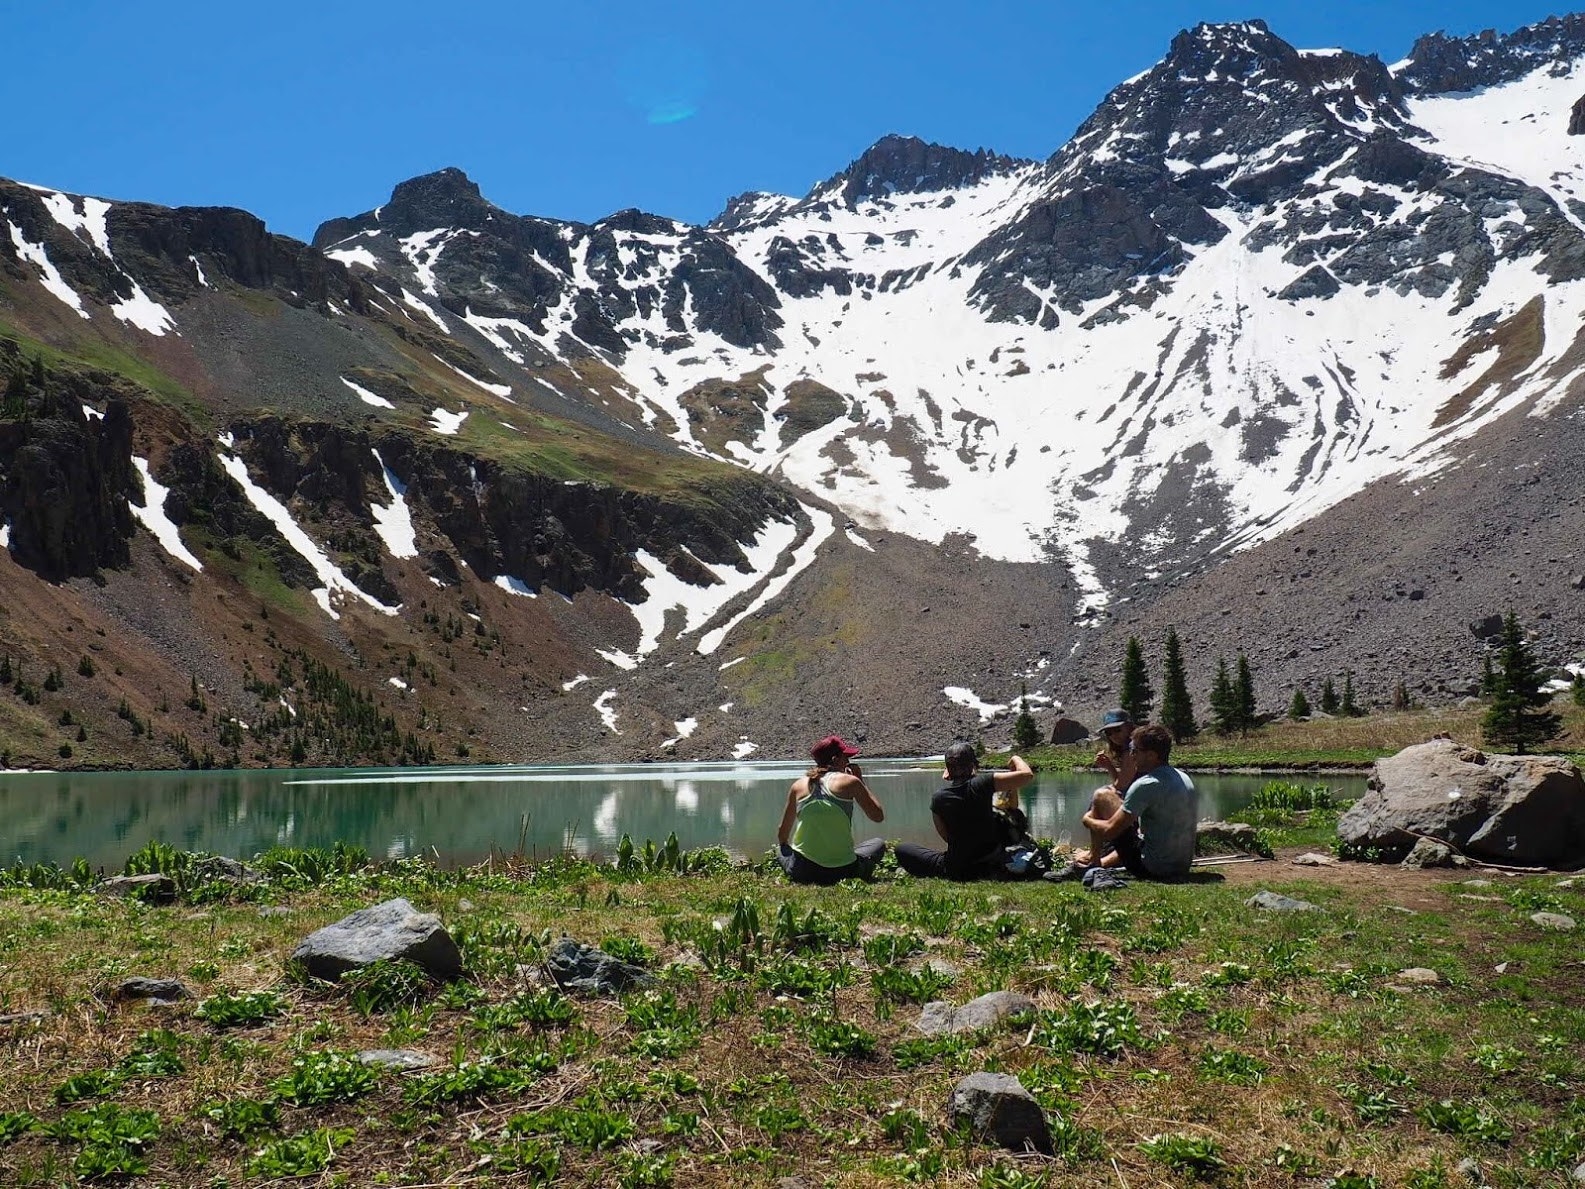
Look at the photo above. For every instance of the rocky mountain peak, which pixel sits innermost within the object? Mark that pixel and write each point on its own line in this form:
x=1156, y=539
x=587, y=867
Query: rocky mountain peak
x=907, y=165
x=445, y=198
x=1439, y=64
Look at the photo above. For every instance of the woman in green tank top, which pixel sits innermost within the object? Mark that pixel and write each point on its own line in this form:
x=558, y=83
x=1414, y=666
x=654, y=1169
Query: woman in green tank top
x=815, y=839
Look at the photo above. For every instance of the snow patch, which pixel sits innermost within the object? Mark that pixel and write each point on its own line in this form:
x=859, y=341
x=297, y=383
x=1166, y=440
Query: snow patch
x=397, y=682
x=91, y=220
x=602, y=705
x=969, y=700
x=569, y=686
x=144, y=312
x=394, y=522
x=367, y=397
x=744, y=749
x=152, y=517
x=501, y=390
x=355, y=256
x=515, y=586
x=823, y=527
x=199, y=269
x=446, y=424
x=336, y=584
x=50, y=276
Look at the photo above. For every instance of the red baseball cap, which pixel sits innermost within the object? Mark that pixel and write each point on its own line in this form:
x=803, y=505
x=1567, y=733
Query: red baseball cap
x=830, y=748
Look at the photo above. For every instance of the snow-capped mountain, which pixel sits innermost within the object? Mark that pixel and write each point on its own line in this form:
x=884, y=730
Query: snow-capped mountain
x=1255, y=281
x=1259, y=289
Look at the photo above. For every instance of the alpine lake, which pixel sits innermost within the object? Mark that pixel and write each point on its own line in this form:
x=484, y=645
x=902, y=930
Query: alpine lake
x=459, y=816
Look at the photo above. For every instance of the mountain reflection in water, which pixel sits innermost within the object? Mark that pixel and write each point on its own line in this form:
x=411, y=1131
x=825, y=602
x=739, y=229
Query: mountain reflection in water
x=462, y=815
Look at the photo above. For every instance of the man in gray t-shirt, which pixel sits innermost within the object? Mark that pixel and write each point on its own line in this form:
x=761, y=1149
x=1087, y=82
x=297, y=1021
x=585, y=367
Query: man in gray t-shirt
x=1163, y=802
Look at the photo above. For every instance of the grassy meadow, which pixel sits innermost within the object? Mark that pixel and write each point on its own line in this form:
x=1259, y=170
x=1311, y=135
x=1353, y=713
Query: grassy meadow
x=1180, y=1037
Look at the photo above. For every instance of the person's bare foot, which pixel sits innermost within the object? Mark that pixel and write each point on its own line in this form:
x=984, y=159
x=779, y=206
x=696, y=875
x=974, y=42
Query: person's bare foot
x=1081, y=857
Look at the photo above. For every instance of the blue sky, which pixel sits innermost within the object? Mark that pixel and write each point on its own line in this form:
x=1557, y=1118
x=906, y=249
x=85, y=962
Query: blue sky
x=304, y=111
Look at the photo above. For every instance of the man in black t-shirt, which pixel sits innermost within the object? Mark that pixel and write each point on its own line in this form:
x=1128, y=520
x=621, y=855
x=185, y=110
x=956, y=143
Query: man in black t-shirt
x=963, y=817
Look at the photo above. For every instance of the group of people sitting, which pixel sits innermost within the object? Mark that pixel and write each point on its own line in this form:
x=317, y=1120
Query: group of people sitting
x=1142, y=821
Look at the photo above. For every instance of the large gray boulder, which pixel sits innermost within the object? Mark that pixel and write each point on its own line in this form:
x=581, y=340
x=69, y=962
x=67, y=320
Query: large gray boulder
x=1523, y=810
x=394, y=929
x=996, y=1107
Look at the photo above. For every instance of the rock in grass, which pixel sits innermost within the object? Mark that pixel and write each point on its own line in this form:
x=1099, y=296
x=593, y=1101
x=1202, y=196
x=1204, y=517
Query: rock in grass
x=578, y=967
x=1272, y=902
x=935, y=1018
x=399, y=1059
x=1427, y=852
x=1553, y=920
x=1316, y=859
x=155, y=990
x=996, y=1107
x=1237, y=835
x=391, y=931
x=1527, y=810
x=1419, y=976
x=155, y=888
x=988, y=1011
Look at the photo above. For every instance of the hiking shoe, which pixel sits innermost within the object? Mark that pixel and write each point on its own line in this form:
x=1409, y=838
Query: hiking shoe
x=1072, y=871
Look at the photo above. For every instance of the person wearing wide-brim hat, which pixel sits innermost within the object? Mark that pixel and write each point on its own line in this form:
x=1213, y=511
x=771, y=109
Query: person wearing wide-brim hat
x=814, y=842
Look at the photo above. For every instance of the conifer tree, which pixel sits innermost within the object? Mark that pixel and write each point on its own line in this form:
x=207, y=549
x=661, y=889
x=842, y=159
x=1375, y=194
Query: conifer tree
x=1137, y=697
x=1349, y=709
x=1224, y=701
x=1026, y=732
x=1300, y=706
x=1177, y=710
x=1579, y=689
x=1328, y=697
x=1488, y=677
x=1516, y=716
x=1400, y=697
x=1244, y=695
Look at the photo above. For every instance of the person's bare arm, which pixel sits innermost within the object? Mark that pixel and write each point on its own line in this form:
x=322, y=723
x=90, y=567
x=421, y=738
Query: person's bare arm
x=855, y=788
x=789, y=815
x=1104, y=761
x=1109, y=828
x=1018, y=774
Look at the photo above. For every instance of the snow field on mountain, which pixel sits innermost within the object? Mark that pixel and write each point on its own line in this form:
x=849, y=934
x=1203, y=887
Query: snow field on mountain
x=336, y=584
x=394, y=522
x=144, y=312
x=666, y=592
x=152, y=517
x=49, y=275
x=91, y=219
x=1519, y=129
x=446, y=423
x=367, y=397
x=802, y=558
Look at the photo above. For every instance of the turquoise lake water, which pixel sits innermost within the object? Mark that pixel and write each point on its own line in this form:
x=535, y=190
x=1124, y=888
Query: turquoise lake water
x=462, y=814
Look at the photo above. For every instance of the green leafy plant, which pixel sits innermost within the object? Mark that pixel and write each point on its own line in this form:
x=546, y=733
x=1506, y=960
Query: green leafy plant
x=472, y=1081
x=298, y=1155
x=838, y=1038
x=1230, y=1065
x=887, y=949
x=1105, y=1029
x=1467, y=1120
x=384, y=984
x=1008, y=1176
x=628, y=949
x=323, y=1077
x=1191, y=1155
x=1372, y=1106
x=908, y=986
x=225, y=1010
x=240, y=1118
x=14, y=1124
